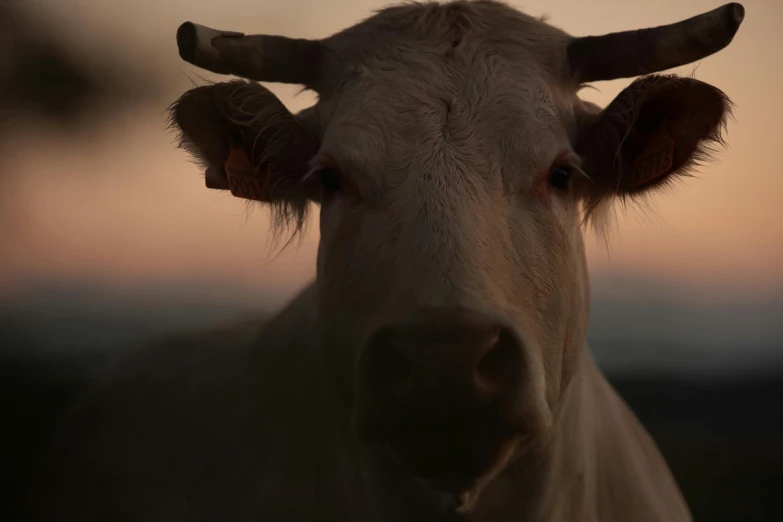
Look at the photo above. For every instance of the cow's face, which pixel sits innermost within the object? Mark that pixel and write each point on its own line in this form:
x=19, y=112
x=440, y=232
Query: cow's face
x=454, y=165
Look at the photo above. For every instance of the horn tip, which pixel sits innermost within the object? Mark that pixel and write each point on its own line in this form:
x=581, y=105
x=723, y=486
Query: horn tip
x=737, y=13
x=187, y=41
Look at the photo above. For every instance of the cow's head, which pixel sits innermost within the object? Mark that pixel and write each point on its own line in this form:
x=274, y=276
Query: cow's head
x=454, y=165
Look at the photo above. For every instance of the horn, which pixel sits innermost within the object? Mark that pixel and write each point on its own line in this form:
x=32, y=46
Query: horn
x=635, y=53
x=264, y=58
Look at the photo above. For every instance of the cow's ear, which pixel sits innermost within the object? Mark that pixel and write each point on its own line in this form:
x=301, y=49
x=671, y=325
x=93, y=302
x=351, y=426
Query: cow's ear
x=248, y=142
x=651, y=133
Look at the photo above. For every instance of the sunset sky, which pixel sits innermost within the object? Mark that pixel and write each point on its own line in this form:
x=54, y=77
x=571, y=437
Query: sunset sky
x=124, y=206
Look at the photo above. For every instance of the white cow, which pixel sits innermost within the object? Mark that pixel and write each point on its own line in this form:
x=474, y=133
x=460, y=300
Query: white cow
x=437, y=368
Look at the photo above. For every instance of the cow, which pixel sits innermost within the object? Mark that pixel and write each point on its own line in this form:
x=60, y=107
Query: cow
x=437, y=368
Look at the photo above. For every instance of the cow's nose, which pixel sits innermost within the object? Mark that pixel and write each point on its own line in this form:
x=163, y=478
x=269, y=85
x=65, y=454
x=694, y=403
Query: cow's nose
x=443, y=391
x=454, y=355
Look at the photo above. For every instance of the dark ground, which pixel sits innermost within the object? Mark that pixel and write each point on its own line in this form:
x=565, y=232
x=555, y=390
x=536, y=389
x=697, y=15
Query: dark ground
x=722, y=438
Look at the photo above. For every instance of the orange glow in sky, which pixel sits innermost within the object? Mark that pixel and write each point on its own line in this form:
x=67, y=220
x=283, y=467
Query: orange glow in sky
x=126, y=205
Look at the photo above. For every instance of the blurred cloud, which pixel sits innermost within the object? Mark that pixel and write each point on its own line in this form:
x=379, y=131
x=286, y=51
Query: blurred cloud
x=47, y=77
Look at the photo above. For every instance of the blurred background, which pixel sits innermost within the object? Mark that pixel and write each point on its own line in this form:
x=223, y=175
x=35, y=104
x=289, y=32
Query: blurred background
x=108, y=236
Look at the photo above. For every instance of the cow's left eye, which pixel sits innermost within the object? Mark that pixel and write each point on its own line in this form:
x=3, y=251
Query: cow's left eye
x=560, y=177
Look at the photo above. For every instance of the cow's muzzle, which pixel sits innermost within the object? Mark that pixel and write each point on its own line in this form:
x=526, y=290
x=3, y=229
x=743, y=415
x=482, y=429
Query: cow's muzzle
x=443, y=390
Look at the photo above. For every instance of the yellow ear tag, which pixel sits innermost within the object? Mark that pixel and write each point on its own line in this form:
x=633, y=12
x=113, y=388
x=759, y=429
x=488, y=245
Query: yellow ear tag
x=244, y=181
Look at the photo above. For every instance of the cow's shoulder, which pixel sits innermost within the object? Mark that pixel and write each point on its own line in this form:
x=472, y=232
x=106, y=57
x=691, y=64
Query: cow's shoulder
x=181, y=428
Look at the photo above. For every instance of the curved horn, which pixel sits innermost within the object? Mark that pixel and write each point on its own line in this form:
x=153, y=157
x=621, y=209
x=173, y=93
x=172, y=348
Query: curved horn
x=263, y=58
x=645, y=51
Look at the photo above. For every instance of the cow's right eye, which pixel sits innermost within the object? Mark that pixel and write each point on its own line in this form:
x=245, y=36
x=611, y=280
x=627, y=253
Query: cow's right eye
x=560, y=178
x=330, y=180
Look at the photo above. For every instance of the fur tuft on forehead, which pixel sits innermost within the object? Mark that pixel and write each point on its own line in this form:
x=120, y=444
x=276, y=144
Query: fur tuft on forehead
x=410, y=33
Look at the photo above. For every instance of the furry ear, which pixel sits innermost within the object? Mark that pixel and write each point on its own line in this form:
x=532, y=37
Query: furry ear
x=249, y=143
x=655, y=130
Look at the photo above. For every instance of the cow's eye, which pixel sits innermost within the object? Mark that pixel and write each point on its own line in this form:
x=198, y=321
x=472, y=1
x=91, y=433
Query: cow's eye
x=330, y=180
x=560, y=177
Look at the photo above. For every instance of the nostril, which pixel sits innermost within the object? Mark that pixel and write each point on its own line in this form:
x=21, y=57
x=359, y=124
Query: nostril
x=389, y=365
x=499, y=365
